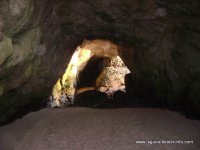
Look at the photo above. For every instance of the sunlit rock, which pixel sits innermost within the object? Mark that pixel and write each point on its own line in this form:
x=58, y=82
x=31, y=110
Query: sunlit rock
x=110, y=80
x=112, y=77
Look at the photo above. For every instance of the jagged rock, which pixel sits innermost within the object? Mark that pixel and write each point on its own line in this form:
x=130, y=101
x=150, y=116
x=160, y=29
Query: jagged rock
x=112, y=76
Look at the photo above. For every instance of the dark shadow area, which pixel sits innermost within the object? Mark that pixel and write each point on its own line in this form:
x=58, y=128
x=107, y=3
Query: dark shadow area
x=131, y=98
x=36, y=103
x=97, y=99
x=87, y=77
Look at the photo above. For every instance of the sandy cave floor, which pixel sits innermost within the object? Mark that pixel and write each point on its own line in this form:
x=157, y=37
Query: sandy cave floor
x=100, y=129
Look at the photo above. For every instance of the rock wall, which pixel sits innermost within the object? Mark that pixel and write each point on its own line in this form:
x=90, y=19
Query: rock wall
x=160, y=40
x=28, y=59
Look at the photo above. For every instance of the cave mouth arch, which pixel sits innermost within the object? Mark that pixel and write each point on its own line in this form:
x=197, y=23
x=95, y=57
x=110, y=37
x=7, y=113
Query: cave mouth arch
x=94, y=66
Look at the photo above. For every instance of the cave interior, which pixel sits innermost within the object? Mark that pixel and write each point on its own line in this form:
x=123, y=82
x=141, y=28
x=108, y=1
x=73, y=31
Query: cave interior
x=99, y=74
x=157, y=40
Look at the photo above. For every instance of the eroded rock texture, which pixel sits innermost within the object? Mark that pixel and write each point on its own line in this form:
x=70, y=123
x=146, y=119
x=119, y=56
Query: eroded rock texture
x=159, y=40
x=112, y=76
x=28, y=63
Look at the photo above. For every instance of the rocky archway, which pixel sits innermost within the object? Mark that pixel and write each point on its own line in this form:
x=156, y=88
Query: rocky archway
x=106, y=72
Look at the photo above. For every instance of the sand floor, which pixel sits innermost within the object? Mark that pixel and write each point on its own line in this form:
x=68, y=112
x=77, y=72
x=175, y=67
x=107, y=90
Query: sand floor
x=101, y=129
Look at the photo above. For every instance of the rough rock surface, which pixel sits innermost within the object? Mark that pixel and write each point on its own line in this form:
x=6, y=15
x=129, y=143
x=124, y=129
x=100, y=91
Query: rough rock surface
x=112, y=76
x=159, y=42
x=28, y=63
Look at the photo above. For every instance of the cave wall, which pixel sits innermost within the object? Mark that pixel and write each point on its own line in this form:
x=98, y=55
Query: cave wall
x=159, y=40
x=29, y=64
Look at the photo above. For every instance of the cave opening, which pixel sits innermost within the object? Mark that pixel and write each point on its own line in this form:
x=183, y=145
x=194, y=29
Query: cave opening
x=95, y=76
